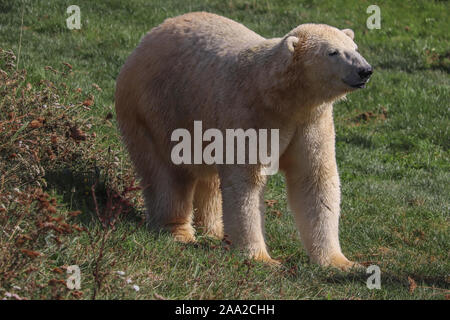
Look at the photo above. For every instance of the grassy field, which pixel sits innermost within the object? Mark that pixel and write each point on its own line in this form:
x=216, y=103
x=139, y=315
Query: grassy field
x=392, y=152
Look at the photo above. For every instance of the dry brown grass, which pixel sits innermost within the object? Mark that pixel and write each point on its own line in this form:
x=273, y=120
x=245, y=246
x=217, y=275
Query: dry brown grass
x=41, y=137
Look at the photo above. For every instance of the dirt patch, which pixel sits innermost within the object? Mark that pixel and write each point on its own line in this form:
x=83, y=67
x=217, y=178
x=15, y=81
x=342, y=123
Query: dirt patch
x=368, y=116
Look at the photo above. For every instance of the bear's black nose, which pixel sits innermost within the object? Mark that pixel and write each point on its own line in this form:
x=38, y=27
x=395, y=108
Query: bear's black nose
x=365, y=73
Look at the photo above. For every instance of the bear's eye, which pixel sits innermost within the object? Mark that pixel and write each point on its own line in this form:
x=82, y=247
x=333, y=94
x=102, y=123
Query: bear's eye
x=333, y=53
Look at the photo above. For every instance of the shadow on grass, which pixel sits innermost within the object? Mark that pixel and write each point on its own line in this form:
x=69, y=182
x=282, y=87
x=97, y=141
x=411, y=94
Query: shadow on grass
x=293, y=272
x=428, y=60
x=357, y=140
x=76, y=188
x=391, y=278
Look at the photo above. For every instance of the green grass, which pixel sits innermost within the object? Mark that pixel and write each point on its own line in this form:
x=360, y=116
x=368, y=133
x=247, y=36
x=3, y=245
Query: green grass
x=392, y=152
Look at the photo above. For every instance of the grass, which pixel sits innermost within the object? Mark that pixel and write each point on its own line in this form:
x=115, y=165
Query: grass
x=392, y=152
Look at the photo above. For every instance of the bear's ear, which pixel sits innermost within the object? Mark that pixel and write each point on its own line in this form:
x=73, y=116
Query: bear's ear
x=291, y=43
x=349, y=33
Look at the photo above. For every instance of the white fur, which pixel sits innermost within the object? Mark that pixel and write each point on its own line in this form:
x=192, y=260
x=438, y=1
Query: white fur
x=201, y=66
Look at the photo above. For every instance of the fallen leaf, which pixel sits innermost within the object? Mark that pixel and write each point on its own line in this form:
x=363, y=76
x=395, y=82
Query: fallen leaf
x=31, y=253
x=384, y=250
x=76, y=294
x=270, y=203
x=77, y=134
x=67, y=65
x=35, y=124
x=412, y=285
x=74, y=213
x=51, y=209
x=88, y=102
x=277, y=213
x=58, y=270
x=54, y=282
x=78, y=228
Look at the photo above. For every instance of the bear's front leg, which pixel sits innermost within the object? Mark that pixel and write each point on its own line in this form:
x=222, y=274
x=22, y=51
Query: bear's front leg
x=314, y=191
x=243, y=210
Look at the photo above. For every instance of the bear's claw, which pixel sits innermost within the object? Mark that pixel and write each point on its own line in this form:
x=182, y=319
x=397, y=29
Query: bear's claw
x=341, y=262
x=264, y=257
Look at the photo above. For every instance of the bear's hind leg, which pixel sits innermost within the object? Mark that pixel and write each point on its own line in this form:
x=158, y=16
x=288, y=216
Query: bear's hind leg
x=208, y=207
x=169, y=204
x=168, y=190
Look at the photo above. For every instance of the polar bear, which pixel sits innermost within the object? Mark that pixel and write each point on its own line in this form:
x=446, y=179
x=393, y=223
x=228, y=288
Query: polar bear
x=204, y=67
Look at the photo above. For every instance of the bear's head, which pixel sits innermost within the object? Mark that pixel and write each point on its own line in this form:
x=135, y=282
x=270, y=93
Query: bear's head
x=327, y=59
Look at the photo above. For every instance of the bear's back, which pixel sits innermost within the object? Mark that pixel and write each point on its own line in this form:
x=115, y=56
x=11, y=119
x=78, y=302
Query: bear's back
x=184, y=65
x=203, y=31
